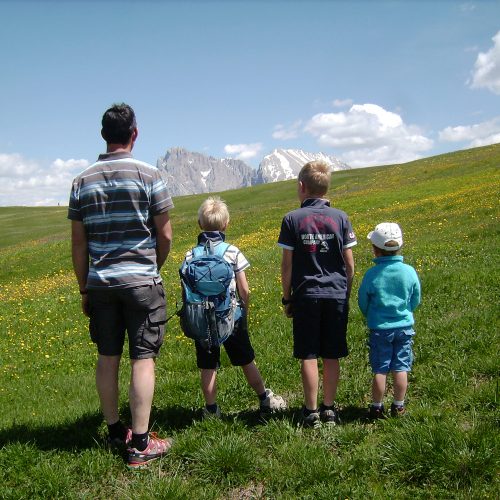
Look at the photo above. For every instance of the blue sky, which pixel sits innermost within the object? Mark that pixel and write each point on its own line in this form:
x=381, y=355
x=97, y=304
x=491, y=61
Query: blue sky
x=371, y=82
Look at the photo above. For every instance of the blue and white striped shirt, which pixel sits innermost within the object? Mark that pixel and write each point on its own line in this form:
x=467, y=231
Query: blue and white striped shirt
x=116, y=198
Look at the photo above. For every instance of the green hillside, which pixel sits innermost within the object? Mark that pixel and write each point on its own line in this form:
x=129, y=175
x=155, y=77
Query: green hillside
x=51, y=430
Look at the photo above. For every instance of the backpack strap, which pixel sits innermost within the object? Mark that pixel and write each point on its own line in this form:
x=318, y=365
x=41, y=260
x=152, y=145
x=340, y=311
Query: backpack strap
x=221, y=249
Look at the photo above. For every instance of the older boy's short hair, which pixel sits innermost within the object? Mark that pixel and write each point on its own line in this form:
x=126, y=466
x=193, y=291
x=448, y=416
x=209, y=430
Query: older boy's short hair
x=315, y=176
x=213, y=214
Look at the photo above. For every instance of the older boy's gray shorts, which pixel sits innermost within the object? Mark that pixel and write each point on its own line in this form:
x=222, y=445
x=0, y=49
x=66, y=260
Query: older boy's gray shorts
x=140, y=311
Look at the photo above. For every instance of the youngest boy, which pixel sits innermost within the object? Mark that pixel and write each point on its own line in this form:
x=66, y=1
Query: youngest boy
x=388, y=295
x=213, y=218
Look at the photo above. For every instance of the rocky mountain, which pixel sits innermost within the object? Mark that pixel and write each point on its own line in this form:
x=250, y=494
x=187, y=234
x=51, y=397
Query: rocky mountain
x=191, y=173
x=284, y=164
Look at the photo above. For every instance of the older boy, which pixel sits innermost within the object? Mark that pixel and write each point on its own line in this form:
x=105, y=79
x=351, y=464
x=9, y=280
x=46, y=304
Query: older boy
x=316, y=273
x=388, y=295
x=213, y=219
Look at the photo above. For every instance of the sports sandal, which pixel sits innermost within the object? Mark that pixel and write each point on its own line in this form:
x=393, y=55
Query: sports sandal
x=156, y=448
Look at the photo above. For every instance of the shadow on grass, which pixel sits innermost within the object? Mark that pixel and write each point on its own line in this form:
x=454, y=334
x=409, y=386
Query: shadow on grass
x=83, y=433
x=86, y=432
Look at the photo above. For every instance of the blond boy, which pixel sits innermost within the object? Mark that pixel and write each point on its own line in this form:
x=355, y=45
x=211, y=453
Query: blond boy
x=213, y=219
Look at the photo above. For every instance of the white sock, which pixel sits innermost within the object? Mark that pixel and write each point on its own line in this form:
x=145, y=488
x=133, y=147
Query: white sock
x=398, y=403
x=377, y=405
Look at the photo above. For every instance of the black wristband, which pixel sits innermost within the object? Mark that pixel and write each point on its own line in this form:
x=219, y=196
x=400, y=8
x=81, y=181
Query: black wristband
x=83, y=292
x=285, y=302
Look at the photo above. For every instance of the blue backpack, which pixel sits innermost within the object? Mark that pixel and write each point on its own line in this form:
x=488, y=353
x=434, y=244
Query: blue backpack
x=209, y=308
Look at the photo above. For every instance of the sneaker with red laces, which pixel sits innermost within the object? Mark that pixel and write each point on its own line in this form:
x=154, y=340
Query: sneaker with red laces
x=156, y=448
x=121, y=443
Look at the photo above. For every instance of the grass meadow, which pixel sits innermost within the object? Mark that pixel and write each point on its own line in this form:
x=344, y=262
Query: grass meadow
x=51, y=430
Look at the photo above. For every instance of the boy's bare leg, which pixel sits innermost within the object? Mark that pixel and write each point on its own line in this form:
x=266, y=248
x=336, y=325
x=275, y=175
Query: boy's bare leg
x=331, y=376
x=310, y=379
x=254, y=378
x=106, y=376
x=141, y=390
x=378, y=387
x=400, y=385
x=208, y=385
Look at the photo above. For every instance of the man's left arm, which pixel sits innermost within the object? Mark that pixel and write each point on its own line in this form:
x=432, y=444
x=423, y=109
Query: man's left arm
x=80, y=257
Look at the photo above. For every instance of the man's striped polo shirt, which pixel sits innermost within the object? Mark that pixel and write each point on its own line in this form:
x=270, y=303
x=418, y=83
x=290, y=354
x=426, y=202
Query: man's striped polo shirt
x=116, y=198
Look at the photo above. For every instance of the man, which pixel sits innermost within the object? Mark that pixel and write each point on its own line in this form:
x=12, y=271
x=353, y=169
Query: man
x=121, y=236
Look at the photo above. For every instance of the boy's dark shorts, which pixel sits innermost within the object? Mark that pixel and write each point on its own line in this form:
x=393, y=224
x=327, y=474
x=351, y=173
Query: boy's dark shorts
x=238, y=348
x=320, y=328
x=141, y=311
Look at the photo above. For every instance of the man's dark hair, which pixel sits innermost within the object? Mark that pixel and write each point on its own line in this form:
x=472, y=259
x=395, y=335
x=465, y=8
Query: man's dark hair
x=118, y=123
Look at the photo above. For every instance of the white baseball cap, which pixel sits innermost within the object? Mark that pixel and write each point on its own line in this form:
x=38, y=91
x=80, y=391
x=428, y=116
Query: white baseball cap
x=385, y=232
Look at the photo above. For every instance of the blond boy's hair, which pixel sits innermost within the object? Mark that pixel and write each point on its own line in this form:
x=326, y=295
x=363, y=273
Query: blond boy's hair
x=315, y=176
x=213, y=214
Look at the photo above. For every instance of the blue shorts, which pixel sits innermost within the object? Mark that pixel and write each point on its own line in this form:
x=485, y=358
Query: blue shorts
x=390, y=350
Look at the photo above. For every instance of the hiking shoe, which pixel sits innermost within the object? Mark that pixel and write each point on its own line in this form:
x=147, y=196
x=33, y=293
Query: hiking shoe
x=272, y=403
x=156, y=448
x=119, y=443
x=312, y=420
x=377, y=413
x=397, y=411
x=206, y=414
x=329, y=416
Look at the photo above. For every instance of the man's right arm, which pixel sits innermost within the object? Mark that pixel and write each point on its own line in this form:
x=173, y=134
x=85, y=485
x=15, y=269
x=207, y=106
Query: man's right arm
x=163, y=237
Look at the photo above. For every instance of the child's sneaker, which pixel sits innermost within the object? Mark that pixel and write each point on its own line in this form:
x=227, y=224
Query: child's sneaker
x=329, y=416
x=156, y=448
x=377, y=412
x=313, y=419
x=272, y=403
x=119, y=443
x=206, y=413
x=397, y=411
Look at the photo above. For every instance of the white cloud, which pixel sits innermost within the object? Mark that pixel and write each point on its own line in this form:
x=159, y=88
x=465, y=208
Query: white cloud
x=26, y=182
x=368, y=135
x=467, y=7
x=284, y=133
x=486, y=73
x=342, y=103
x=479, y=134
x=243, y=151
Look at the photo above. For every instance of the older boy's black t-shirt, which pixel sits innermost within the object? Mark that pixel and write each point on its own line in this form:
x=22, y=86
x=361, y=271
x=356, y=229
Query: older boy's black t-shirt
x=317, y=234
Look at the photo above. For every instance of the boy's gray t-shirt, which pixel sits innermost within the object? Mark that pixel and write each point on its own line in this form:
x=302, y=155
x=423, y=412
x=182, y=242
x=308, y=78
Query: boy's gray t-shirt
x=318, y=234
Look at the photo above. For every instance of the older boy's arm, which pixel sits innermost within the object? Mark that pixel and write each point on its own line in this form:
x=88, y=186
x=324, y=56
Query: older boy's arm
x=80, y=258
x=286, y=273
x=286, y=279
x=243, y=290
x=163, y=237
x=349, y=267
